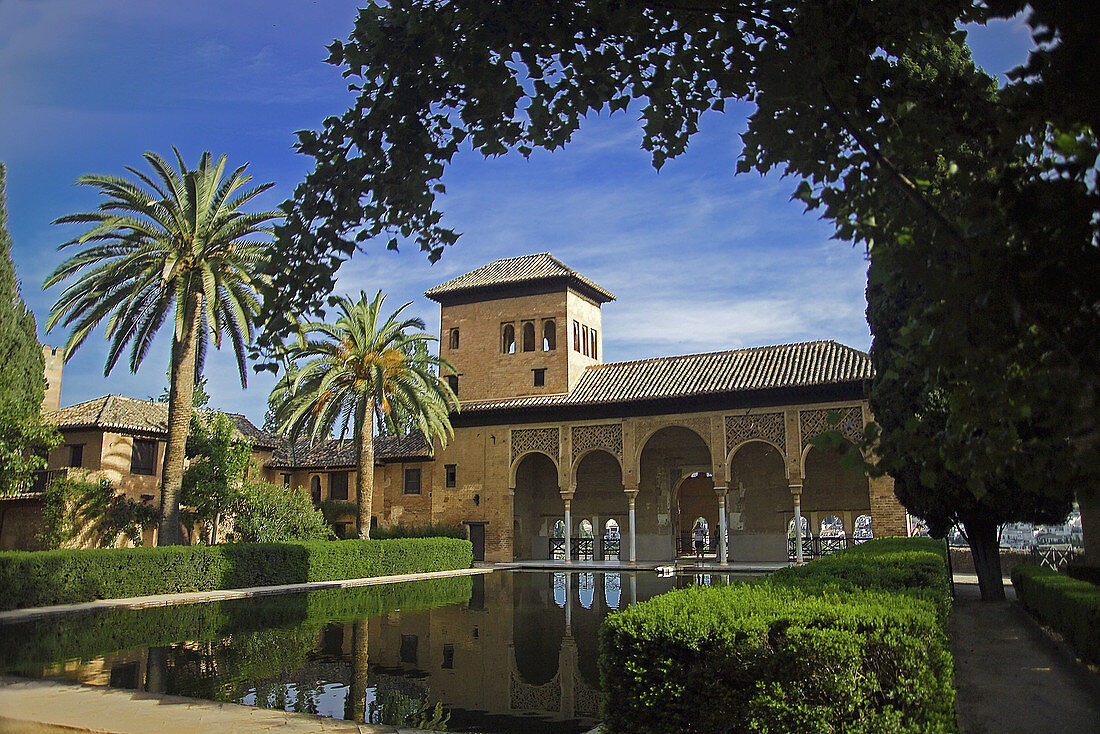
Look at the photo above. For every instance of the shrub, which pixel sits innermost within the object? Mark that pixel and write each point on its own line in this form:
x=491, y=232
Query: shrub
x=92, y=512
x=1083, y=572
x=39, y=578
x=1068, y=605
x=852, y=642
x=270, y=513
x=430, y=530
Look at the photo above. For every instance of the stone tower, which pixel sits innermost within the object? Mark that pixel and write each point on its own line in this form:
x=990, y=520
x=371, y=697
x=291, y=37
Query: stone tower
x=523, y=326
x=55, y=364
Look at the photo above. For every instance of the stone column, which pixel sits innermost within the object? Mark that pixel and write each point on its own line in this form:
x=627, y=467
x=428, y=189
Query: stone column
x=631, y=496
x=722, y=526
x=796, y=490
x=568, y=500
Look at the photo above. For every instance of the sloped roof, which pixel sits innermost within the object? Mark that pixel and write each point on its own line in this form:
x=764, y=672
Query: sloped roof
x=759, y=368
x=120, y=413
x=517, y=270
x=333, y=453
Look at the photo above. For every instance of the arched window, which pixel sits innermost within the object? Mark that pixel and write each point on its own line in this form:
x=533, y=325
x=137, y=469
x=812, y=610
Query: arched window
x=863, y=529
x=611, y=530
x=549, y=336
x=559, y=529
x=315, y=488
x=454, y=338
x=528, y=336
x=508, y=339
x=805, y=528
x=559, y=588
x=586, y=589
x=584, y=529
x=832, y=527
x=612, y=589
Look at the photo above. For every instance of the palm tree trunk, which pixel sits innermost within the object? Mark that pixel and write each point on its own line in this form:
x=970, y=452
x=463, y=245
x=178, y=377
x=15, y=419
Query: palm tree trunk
x=364, y=471
x=181, y=398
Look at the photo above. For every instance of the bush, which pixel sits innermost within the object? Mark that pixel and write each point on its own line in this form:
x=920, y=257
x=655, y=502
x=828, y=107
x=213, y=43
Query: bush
x=40, y=578
x=419, y=531
x=1068, y=605
x=851, y=642
x=1083, y=572
x=270, y=513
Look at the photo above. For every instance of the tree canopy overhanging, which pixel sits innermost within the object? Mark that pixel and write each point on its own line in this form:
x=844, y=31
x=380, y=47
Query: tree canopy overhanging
x=978, y=204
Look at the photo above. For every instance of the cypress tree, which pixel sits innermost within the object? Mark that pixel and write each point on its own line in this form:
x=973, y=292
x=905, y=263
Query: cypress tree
x=22, y=380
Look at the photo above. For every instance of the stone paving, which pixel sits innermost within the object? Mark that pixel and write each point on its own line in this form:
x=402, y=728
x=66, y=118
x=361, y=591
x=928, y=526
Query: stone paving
x=1010, y=676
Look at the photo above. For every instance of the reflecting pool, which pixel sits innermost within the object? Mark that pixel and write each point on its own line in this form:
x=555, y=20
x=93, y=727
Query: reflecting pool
x=508, y=651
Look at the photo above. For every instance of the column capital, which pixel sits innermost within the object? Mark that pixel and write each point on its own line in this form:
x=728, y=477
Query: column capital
x=795, y=487
x=721, y=492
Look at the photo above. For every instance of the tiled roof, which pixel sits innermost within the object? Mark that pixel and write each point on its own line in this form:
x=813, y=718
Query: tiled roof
x=119, y=413
x=332, y=453
x=758, y=368
x=515, y=270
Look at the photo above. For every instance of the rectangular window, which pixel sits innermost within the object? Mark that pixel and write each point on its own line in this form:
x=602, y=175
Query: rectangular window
x=338, y=485
x=540, y=377
x=412, y=481
x=592, y=347
x=452, y=474
x=454, y=338
x=143, y=460
x=576, y=336
x=584, y=340
x=76, y=454
x=452, y=382
x=286, y=481
x=409, y=644
x=448, y=656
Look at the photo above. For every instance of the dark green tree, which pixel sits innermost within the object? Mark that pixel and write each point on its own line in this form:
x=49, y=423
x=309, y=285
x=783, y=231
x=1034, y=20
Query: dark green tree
x=23, y=436
x=982, y=201
x=219, y=457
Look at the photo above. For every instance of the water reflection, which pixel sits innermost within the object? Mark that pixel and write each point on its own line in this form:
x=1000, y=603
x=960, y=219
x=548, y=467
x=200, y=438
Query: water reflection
x=507, y=652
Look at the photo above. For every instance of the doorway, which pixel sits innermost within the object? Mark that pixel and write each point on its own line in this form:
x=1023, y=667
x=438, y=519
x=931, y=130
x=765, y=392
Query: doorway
x=477, y=539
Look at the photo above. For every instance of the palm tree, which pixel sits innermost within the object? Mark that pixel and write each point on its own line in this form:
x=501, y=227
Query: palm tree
x=176, y=242
x=362, y=366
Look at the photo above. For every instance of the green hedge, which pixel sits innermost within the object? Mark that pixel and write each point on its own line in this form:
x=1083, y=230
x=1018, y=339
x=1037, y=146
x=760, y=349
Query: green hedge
x=1068, y=605
x=31, y=579
x=431, y=530
x=1084, y=572
x=852, y=642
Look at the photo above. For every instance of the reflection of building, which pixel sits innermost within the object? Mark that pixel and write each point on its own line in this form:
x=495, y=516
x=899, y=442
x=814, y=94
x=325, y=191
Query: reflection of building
x=549, y=434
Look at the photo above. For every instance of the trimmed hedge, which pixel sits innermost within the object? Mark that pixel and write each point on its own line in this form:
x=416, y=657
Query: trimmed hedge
x=431, y=530
x=855, y=641
x=1083, y=572
x=41, y=578
x=1068, y=605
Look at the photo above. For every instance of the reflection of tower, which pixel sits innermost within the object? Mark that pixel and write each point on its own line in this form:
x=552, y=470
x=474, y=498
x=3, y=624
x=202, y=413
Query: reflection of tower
x=55, y=363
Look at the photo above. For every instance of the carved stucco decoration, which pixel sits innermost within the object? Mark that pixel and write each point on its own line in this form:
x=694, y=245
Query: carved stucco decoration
x=608, y=436
x=526, y=697
x=815, y=422
x=767, y=426
x=586, y=700
x=535, y=439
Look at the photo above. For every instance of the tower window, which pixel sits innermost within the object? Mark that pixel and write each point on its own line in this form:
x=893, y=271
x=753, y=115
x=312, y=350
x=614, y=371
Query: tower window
x=549, y=335
x=584, y=340
x=452, y=474
x=508, y=339
x=452, y=382
x=528, y=336
x=592, y=343
x=576, y=336
x=454, y=338
x=540, y=377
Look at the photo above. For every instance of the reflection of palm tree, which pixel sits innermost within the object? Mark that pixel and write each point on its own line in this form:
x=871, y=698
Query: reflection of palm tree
x=355, y=708
x=156, y=670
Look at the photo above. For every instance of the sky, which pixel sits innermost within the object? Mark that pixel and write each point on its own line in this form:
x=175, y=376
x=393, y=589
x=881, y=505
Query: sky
x=699, y=259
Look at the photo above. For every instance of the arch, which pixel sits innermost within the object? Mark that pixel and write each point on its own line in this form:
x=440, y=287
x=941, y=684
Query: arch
x=612, y=589
x=537, y=504
x=830, y=488
x=549, y=335
x=528, y=336
x=832, y=527
x=611, y=529
x=806, y=452
x=668, y=453
x=519, y=460
x=454, y=338
x=864, y=528
x=587, y=452
x=508, y=339
x=805, y=527
x=644, y=440
x=315, y=488
x=537, y=626
x=759, y=491
x=584, y=529
x=733, y=452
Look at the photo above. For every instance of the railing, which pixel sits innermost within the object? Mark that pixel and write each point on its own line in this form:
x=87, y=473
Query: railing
x=582, y=549
x=685, y=545
x=557, y=549
x=1055, y=558
x=43, y=478
x=609, y=548
x=815, y=547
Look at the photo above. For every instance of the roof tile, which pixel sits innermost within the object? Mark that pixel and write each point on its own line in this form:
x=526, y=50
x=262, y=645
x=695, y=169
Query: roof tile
x=513, y=270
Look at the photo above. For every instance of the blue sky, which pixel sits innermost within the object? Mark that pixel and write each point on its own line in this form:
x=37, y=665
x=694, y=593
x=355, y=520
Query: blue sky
x=699, y=259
